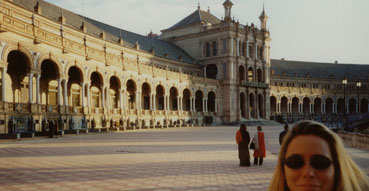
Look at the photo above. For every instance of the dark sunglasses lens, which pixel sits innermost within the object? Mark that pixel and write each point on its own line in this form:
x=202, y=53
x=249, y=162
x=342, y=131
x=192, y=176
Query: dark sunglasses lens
x=294, y=162
x=320, y=162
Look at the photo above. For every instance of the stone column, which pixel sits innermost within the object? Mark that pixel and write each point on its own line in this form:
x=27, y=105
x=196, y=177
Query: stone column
x=247, y=50
x=137, y=100
x=256, y=52
x=154, y=101
x=3, y=71
x=88, y=95
x=194, y=104
x=38, y=88
x=121, y=98
x=103, y=97
x=151, y=102
x=238, y=47
x=65, y=92
x=59, y=91
x=178, y=104
x=322, y=108
x=165, y=102
x=216, y=105
x=83, y=94
x=333, y=108
x=30, y=87
x=191, y=106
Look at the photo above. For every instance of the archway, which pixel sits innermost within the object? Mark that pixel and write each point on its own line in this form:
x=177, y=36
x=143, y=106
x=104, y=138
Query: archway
x=199, y=100
x=260, y=75
x=212, y=71
x=364, y=105
x=261, y=105
x=273, y=105
x=145, y=97
x=159, y=97
x=96, y=89
x=173, y=99
x=186, y=100
x=317, y=105
x=18, y=68
x=340, y=106
x=74, y=86
x=211, y=101
x=241, y=74
x=352, y=106
x=295, y=105
x=306, y=105
x=284, y=105
x=242, y=104
x=328, y=105
x=131, y=93
x=114, y=87
x=252, y=105
x=48, y=83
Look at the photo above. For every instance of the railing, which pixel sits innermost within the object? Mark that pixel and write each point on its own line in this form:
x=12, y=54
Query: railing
x=254, y=84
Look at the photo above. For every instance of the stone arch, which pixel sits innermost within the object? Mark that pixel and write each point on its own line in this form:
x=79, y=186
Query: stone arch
x=160, y=97
x=114, y=92
x=295, y=105
x=340, y=106
x=241, y=74
x=306, y=105
x=352, y=105
x=9, y=48
x=17, y=78
x=131, y=88
x=53, y=59
x=250, y=74
x=273, y=105
x=329, y=105
x=211, y=101
x=364, y=105
x=75, y=79
x=199, y=95
x=173, y=98
x=97, y=82
x=260, y=75
x=82, y=74
x=145, y=95
x=186, y=99
x=317, y=105
x=284, y=104
x=252, y=105
x=49, y=82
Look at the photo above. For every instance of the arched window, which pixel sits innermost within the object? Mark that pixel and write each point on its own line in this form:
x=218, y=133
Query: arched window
x=215, y=48
x=207, y=49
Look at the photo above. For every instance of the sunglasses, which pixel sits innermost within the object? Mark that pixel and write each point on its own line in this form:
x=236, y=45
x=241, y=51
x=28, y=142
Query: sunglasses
x=318, y=162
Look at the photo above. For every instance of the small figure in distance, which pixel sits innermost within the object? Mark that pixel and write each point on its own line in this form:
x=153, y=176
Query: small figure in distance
x=51, y=129
x=243, y=140
x=259, y=151
x=312, y=157
x=283, y=133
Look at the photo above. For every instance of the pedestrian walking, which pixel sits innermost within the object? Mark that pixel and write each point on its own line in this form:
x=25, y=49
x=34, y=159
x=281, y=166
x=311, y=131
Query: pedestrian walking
x=56, y=129
x=259, y=151
x=51, y=129
x=243, y=140
x=283, y=134
x=312, y=157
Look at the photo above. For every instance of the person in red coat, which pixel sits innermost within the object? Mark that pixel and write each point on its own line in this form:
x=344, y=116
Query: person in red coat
x=259, y=151
x=243, y=140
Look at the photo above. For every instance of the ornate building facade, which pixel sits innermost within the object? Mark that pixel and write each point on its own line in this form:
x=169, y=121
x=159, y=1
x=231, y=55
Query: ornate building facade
x=84, y=74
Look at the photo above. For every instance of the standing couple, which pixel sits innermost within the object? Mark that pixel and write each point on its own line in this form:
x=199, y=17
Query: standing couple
x=243, y=141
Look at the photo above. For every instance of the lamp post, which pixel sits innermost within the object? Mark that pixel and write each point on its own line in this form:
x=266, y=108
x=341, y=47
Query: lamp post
x=358, y=86
x=344, y=82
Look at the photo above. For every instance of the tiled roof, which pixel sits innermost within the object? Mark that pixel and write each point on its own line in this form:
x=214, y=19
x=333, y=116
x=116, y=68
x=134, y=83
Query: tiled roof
x=197, y=16
x=319, y=70
x=112, y=34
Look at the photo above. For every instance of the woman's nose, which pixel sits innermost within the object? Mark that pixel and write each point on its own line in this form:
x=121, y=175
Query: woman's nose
x=308, y=171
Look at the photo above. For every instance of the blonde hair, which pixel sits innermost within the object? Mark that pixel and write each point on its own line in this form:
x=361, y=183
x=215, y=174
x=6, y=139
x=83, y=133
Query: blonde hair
x=348, y=176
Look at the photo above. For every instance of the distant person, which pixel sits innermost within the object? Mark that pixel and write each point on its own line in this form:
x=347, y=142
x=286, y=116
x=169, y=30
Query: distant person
x=283, y=133
x=56, y=129
x=259, y=151
x=51, y=129
x=312, y=157
x=243, y=140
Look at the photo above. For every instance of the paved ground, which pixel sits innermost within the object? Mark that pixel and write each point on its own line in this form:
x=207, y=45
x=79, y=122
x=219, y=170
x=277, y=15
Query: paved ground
x=180, y=159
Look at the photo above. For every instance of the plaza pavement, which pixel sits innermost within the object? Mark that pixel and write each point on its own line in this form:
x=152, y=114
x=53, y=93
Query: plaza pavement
x=175, y=159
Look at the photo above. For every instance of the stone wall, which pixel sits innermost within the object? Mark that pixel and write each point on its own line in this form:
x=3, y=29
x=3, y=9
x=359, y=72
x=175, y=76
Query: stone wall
x=355, y=140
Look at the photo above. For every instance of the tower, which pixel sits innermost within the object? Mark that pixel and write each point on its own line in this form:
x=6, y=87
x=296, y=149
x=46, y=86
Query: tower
x=227, y=10
x=263, y=20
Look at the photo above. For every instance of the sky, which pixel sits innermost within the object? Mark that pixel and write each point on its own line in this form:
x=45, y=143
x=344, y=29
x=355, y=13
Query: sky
x=301, y=30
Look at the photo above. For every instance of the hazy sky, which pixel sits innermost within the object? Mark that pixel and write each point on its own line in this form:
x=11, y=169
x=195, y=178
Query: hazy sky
x=304, y=30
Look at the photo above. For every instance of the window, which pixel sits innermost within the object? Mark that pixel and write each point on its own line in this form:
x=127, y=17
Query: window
x=215, y=48
x=207, y=49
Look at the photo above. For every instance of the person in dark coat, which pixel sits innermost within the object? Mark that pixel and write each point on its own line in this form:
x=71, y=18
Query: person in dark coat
x=51, y=129
x=283, y=133
x=243, y=140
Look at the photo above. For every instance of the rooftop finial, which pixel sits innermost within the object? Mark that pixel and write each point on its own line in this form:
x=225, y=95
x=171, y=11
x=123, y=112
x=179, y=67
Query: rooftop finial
x=198, y=6
x=208, y=9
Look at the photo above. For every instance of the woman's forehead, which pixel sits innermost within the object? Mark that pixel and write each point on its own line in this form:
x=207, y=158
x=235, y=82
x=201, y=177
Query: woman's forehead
x=308, y=145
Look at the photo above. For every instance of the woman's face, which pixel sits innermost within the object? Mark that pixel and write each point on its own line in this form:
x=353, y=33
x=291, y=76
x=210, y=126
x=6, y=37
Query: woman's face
x=308, y=164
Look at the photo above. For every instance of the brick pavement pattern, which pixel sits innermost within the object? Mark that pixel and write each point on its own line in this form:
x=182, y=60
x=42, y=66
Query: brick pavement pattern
x=176, y=159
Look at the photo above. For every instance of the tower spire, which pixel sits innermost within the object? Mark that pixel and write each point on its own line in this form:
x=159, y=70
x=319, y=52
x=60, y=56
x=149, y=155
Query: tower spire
x=263, y=19
x=227, y=10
